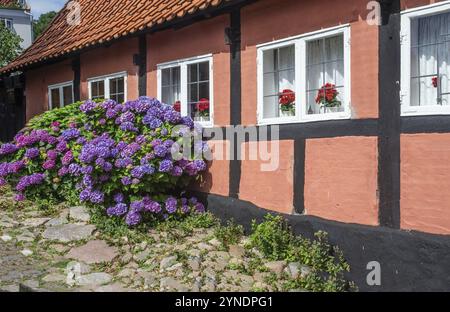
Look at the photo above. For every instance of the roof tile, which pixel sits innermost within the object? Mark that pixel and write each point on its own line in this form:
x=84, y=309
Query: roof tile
x=103, y=21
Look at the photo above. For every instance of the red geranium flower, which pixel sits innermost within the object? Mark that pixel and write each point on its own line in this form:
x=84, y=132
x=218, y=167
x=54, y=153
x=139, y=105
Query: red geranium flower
x=287, y=97
x=177, y=106
x=327, y=93
x=203, y=105
x=435, y=81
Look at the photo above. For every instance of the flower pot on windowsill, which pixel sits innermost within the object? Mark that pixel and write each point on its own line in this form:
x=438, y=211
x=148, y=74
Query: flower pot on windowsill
x=201, y=118
x=331, y=109
x=287, y=113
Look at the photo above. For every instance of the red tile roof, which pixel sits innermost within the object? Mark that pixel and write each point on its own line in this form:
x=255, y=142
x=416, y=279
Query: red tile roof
x=103, y=21
x=8, y=3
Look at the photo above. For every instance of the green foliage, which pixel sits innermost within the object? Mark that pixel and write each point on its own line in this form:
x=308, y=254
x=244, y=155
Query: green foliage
x=116, y=227
x=10, y=45
x=230, y=234
x=272, y=237
x=55, y=189
x=65, y=115
x=42, y=23
x=275, y=240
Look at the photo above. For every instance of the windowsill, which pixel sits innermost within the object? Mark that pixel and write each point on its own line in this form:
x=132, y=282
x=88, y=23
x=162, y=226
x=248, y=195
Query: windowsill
x=310, y=119
x=204, y=124
x=429, y=111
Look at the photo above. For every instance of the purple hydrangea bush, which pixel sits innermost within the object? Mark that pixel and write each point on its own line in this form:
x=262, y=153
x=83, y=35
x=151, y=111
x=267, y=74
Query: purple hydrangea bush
x=119, y=157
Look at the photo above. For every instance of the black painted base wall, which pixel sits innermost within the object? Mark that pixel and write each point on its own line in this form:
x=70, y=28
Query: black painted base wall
x=410, y=261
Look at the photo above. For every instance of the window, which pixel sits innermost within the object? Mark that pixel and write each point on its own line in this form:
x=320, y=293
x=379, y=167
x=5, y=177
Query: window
x=425, y=53
x=187, y=85
x=305, y=78
x=108, y=87
x=279, y=78
x=60, y=95
x=7, y=22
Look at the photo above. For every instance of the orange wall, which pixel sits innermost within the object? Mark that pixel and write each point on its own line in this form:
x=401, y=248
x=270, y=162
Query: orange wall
x=409, y=4
x=191, y=41
x=272, y=190
x=37, y=82
x=267, y=20
x=109, y=60
x=425, y=183
x=217, y=179
x=341, y=179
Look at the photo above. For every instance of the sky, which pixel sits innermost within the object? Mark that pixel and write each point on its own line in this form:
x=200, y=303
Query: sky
x=42, y=6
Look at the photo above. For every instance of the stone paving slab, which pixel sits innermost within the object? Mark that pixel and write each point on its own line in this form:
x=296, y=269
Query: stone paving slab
x=95, y=251
x=68, y=232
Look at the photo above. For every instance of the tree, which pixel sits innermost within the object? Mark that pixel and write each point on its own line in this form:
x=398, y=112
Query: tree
x=42, y=22
x=10, y=47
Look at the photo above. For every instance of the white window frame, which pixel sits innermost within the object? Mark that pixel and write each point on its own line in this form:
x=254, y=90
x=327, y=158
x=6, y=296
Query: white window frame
x=60, y=87
x=106, y=79
x=300, y=77
x=183, y=64
x=7, y=20
x=405, y=41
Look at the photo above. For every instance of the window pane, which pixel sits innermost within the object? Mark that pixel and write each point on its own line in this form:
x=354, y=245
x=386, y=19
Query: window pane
x=165, y=76
x=171, y=87
x=286, y=58
x=271, y=107
x=270, y=84
x=200, y=111
x=116, y=89
x=428, y=59
x=98, y=89
x=167, y=96
x=113, y=86
x=334, y=73
x=203, y=90
x=204, y=71
x=176, y=74
x=269, y=61
x=56, y=101
x=287, y=79
x=193, y=73
x=119, y=98
x=193, y=93
x=121, y=85
x=315, y=77
x=325, y=75
x=334, y=48
x=427, y=93
x=67, y=95
x=312, y=106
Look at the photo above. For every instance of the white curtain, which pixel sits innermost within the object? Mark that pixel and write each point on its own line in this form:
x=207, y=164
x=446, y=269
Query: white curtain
x=325, y=64
x=430, y=60
x=279, y=75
